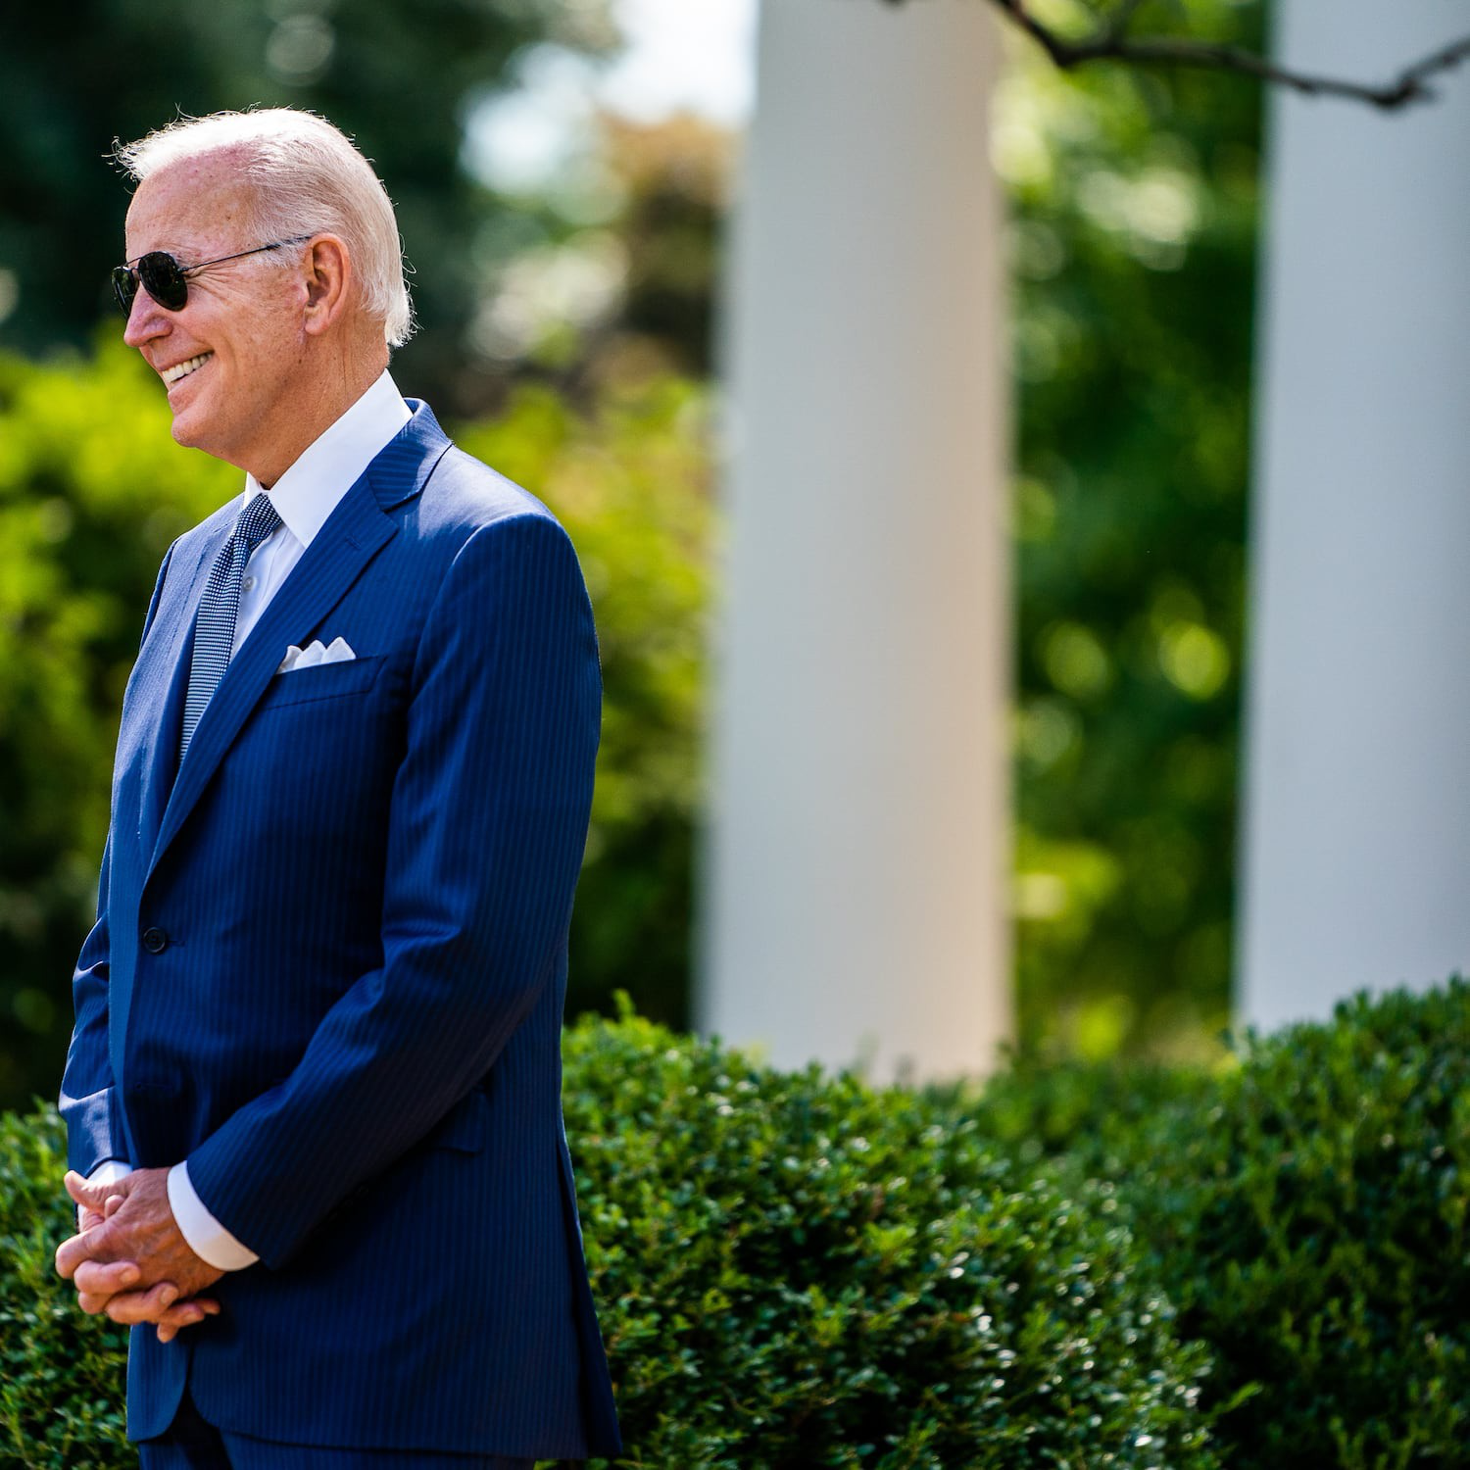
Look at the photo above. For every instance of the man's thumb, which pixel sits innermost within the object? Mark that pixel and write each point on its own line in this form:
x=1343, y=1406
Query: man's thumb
x=89, y=1196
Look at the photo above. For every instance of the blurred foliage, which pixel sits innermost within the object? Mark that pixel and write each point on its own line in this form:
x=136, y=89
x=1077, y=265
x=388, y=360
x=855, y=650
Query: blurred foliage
x=1133, y=199
x=402, y=79
x=608, y=273
x=1133, y=202
x=1133, y=205
x=631, y=485
x=93, y=490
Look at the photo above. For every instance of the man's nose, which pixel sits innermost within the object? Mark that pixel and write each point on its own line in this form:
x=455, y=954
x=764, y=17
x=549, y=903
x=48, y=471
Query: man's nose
x=146, y=320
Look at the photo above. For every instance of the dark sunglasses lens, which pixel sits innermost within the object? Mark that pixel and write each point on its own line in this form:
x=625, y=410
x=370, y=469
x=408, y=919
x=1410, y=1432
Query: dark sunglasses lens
x=161, y=276
x=124, y=287
x=163, y=280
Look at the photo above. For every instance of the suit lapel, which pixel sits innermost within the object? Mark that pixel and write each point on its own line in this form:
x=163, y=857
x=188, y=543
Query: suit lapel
x=162, y=676
x=353, y=534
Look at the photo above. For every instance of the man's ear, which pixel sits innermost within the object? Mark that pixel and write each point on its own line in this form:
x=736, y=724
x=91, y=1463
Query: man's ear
x=328, y=271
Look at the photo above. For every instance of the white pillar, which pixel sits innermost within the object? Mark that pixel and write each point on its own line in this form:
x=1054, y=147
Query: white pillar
x=857, y=871
x=1357, y=814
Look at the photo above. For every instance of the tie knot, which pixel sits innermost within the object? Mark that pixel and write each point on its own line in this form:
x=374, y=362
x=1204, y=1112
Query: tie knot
x=257, y=521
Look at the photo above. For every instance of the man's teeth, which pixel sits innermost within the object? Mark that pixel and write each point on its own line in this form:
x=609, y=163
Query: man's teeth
x=183, y=369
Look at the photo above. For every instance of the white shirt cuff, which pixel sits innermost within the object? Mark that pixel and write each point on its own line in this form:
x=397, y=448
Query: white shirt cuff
x=109, y=1171
x=205, y=1236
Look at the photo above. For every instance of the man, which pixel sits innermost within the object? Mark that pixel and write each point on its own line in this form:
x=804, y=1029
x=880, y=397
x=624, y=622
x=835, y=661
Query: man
x=313, y=1093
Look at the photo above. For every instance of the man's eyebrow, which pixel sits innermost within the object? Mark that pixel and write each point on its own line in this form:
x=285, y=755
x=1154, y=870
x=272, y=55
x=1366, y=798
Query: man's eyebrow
x=185, y=254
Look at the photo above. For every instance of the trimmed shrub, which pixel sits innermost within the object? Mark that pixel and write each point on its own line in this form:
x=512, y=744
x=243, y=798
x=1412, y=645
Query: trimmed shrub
x=1081, y=1115
x=793, y=1271
x=798, y=1271
x=61, y=1372
x=1307, y=1213
x=1314, y=1223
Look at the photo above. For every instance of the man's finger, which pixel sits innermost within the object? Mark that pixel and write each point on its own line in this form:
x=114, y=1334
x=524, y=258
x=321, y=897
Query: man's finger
x=105, y=1278
x=186, y=1314
x=78, y=1248
x=189, y=1313
x=94, y=1306
x=143, y=1306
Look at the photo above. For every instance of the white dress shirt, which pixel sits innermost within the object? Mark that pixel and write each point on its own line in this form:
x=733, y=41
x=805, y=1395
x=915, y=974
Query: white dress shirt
x=304, y=497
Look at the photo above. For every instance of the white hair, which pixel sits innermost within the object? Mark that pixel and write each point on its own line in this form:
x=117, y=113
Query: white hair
x=306, y=178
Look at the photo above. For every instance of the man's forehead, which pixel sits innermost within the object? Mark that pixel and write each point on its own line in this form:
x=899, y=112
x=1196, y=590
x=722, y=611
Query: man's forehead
x=189, y=205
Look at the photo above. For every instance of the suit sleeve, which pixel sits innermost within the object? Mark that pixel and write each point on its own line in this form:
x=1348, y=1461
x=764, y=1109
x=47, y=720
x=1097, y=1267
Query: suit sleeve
x=487, y=828
x=88, y=1102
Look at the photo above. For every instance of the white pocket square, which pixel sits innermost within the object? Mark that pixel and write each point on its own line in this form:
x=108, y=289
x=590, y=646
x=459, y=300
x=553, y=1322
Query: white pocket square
x=339, y=651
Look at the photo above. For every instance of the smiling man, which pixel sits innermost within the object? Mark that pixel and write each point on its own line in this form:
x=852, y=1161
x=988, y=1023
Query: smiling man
x=313, y=1093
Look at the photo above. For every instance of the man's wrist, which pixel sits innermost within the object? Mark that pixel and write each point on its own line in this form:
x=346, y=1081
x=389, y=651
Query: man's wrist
x=203, y=1234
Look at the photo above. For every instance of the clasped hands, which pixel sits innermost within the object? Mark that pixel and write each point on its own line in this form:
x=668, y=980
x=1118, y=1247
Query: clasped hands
x=130, y=1260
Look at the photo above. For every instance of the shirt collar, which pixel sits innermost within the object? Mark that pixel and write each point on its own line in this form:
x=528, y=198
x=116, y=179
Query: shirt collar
x=327, y=469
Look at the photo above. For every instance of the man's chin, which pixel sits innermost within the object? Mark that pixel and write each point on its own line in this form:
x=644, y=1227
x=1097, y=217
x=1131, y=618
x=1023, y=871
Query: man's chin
x=188, y=431
x=188, y=401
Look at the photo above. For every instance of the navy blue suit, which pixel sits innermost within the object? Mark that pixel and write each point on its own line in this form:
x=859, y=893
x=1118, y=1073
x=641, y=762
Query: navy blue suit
x=329, y=968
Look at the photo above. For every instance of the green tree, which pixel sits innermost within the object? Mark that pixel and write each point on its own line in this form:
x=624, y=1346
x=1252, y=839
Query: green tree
x=1134, y=203
x=631, y=483
x=1133, y=198
x=401, y=78
x=608, y=274
x=93, y=490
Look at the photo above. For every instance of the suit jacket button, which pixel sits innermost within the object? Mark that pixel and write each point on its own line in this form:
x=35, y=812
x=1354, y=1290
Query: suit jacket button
x=155, y=941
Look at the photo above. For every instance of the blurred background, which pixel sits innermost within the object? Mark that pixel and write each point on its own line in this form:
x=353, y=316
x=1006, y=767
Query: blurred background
x=563, y=171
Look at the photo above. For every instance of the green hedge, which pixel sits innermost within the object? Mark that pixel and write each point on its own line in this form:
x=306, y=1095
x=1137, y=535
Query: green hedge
x=794, y=1271
x=802, y=1272
x=1313, y=1224
x=797, y=1271
x=1306, y=1211
x=61, y=1373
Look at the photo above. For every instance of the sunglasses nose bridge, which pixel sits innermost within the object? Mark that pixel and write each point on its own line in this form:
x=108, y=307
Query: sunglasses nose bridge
x=144, y=318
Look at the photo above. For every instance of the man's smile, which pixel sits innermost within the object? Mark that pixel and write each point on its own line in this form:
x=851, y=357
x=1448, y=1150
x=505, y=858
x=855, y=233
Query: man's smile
x=180, y=370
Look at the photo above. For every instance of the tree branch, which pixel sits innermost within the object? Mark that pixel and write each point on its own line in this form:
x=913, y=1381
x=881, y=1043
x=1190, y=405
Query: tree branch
x=1112, y=42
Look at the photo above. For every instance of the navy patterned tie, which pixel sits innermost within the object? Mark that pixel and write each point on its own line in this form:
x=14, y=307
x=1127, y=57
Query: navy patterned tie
x=214, y=633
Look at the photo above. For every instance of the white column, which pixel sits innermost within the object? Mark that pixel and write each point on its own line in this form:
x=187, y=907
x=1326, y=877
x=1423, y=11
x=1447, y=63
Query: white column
x=1357, y=814
x=857, y=871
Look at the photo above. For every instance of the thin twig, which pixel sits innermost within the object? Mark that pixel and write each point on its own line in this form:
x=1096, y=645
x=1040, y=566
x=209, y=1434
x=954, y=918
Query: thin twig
x=1111, y=42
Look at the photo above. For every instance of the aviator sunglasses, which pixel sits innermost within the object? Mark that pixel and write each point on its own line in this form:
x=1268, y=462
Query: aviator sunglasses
x=166, y=281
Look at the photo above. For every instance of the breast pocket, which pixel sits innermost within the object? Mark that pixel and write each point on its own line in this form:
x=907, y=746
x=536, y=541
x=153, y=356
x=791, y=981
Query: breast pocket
x=323, y=681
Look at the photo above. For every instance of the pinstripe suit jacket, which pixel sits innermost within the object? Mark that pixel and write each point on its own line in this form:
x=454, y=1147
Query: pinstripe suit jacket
x=329, y=967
